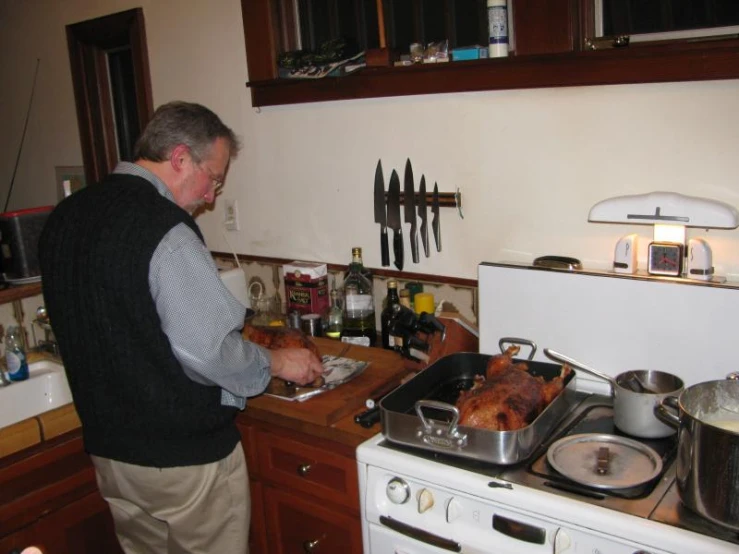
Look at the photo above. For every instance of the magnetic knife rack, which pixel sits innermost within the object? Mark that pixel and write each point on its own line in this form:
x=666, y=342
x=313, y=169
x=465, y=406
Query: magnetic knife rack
x=446, y=200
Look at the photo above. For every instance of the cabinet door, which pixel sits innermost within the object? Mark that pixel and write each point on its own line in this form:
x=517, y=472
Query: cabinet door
x=83, y=527
x=298, y=525
x=316, y=471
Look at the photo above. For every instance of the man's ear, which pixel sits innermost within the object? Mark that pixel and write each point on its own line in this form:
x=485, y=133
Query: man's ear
x=179, y=157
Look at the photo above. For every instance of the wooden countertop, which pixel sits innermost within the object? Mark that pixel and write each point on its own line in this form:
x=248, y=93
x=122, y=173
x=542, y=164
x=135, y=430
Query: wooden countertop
x=329, y=415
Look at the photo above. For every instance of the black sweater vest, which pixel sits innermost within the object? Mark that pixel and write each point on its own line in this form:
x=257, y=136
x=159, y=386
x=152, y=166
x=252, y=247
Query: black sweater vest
x=134, y=400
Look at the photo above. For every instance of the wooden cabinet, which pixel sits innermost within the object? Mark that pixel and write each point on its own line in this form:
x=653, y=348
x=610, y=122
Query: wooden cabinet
x=49, y=499
x=304, y=490
x=551, y=51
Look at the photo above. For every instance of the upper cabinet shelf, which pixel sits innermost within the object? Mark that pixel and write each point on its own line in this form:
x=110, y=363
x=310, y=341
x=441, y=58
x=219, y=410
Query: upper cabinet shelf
x=549, y=53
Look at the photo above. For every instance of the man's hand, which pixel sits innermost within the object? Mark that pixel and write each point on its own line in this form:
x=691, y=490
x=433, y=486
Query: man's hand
x=296, y=364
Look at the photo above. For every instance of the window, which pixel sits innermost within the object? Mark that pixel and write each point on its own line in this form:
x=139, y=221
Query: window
x=655, y=20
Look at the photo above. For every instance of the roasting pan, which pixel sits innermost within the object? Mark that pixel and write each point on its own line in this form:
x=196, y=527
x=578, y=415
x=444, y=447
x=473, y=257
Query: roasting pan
x=421, y=412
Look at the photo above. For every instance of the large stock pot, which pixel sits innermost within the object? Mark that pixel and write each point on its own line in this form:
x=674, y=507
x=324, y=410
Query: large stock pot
x=707, y=421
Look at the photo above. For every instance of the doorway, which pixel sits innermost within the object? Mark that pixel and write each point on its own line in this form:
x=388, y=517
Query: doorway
x=112, y=87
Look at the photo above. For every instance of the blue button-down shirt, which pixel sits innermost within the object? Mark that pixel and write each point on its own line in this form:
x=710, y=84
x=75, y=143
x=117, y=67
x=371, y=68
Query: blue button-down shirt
x=199, y=315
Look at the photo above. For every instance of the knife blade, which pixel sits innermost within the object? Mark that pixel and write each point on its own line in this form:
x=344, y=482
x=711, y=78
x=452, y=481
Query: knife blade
x=409, y=206
x=436, y=222
x=380, y=214
x=393, y=218
x=424, y=228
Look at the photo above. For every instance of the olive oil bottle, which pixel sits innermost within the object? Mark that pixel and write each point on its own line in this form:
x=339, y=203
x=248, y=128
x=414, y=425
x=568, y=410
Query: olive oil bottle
x=359, y=325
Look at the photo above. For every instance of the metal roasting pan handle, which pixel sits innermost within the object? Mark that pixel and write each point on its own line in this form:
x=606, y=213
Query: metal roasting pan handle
x=522, y=342
x=421, y=404
x=557, y=357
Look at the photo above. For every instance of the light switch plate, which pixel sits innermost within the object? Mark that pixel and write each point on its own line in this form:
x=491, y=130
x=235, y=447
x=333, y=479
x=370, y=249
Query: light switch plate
x=231, y=215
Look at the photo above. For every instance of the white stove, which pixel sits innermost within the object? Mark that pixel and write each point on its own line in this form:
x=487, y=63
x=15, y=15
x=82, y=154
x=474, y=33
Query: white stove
x=418, y=502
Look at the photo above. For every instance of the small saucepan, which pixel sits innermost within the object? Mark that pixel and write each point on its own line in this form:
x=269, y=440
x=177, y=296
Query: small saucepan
x=635, y=395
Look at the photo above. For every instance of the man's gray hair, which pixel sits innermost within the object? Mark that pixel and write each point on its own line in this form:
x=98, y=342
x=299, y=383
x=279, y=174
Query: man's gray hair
x=186, y=123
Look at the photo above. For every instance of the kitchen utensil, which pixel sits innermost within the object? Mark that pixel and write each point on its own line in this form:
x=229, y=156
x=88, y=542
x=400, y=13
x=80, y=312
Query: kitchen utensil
x=635, y=395
x=436, y=222
x=708, y=449
x=604, y=461
x=381, y=214
x=421, y=412
x=393, y=219
x=424, y=227
x=409, y=208
x=700, y=260
x=624, y=257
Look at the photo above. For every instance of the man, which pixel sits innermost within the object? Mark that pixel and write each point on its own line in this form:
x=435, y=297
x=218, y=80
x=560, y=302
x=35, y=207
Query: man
x=150, y=339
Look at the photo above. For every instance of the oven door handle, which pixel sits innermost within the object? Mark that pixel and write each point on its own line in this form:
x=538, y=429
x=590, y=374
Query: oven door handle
x=420, y=535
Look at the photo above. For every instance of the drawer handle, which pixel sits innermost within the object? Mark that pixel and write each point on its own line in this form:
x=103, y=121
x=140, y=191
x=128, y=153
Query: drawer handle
x=312, y=546
x=303, y=471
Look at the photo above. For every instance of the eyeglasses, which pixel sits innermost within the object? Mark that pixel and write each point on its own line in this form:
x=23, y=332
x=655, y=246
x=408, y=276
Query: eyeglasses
x=217, y=182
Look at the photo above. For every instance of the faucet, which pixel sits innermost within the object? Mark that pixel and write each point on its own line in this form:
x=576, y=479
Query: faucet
x=49, y=344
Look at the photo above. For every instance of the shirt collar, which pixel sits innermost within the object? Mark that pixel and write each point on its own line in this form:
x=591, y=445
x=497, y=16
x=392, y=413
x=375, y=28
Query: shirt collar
x=129, y=168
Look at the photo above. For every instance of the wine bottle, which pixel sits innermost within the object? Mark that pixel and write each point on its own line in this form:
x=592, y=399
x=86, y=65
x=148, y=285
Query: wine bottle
x=392, y=300
x=359, y=325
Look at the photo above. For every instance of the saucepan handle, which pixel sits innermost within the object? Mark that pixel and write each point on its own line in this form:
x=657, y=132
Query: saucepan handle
x=664, y=415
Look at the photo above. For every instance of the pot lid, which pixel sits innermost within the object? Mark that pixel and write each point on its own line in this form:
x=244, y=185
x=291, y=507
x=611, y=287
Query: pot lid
x=604, y=461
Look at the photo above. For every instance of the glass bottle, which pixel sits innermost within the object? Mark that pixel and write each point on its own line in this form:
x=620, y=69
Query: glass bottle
x=333, y=317
x=357, y=258
x=388, y=312
x=15, y=355
x=359, y=305
x=405, y=298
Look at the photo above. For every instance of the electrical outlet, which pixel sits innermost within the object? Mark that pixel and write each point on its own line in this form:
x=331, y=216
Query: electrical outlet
x=231, y=215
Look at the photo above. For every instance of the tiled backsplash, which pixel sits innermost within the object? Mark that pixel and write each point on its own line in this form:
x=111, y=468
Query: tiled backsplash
x=459, y=299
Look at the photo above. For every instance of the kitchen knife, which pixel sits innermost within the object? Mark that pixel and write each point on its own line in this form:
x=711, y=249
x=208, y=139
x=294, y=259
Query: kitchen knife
x=424, y=228
x=380, y=214
x=435, y=222
x=409, y=207
x=393, y=218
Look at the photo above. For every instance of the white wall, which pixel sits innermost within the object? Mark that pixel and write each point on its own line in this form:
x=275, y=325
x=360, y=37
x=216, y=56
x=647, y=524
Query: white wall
x=529, y=163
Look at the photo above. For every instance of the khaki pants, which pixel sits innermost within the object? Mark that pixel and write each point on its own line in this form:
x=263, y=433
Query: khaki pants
x=181, y=510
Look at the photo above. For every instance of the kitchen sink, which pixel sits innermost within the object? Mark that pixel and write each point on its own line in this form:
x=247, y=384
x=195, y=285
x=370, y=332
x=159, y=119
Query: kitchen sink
x=45, y=389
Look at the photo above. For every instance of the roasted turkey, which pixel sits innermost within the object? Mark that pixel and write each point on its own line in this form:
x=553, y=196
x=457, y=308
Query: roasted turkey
x=508, y=397
x=275, y=338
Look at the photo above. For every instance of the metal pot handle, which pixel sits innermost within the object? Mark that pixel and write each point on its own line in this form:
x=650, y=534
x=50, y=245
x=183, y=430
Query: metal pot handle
x=434, y=432
x=664, y=415
x=521, y=342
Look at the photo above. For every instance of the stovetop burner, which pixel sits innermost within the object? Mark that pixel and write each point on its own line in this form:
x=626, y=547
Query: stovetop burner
x=598, y=419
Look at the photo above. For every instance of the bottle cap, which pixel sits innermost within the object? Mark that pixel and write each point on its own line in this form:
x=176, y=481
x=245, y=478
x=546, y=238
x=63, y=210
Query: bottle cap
x=392, y=284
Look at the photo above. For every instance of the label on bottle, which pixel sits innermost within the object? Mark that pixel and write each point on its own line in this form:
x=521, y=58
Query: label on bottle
x=362, y=341
x=17, y=366
x=358, y=303
x=498, y=29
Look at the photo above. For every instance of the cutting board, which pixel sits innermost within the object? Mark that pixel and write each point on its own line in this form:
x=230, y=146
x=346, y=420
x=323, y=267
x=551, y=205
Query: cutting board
x=384, y=372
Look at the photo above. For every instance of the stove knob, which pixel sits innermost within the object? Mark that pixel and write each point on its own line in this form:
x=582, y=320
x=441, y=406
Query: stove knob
x=453, y=510
x=562, y=541
x=425, y=500
x=398, y=491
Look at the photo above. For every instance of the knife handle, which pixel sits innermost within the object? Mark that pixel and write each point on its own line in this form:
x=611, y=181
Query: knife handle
x=424, y=231
x=384, y=247
x=414, y=244
x=398, y=248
